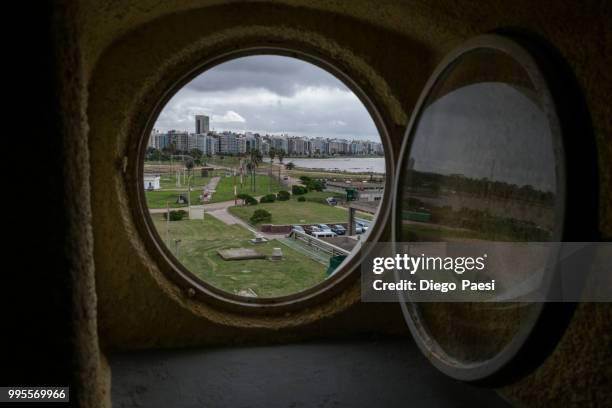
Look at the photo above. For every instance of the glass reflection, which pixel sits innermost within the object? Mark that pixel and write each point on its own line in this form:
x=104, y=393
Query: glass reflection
x=481, y=167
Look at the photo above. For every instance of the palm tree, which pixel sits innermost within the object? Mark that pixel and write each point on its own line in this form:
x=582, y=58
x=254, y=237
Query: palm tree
x=281, y=154
x=189, y=164
x=253, y=161
x=272, y=154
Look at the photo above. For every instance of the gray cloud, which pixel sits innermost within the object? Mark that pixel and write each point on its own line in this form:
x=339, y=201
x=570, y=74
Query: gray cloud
x=270, y=94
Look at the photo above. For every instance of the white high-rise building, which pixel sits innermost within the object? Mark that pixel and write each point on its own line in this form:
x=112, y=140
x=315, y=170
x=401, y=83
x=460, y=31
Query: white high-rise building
x=228, y=143
x=180, y=140
x=241, y=142
x=212, y=145
x=279, y=143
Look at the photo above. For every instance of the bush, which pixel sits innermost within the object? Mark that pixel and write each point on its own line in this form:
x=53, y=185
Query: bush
x=312, y=184
x=301, y=198
x=298, y=190
x=268, y=198
x=248, y=199
x=176, y=215
x=261, y=215
x=316, y=185
x=283, y=195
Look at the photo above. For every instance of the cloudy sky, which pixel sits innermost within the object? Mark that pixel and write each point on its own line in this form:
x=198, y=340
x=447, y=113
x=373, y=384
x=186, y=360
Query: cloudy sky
x=270, y=94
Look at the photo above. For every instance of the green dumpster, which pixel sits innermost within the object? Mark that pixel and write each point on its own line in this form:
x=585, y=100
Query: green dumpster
x=351, y=194
x=334, y=262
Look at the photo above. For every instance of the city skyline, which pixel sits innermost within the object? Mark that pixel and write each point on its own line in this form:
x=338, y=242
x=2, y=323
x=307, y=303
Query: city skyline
x=227, y=142
x=270, y=94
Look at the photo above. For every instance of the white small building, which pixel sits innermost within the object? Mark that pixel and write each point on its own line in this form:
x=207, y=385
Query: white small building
x=152, y=182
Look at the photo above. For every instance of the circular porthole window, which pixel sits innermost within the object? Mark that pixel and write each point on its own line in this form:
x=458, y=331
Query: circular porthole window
x=484, y=160
x=261, y=177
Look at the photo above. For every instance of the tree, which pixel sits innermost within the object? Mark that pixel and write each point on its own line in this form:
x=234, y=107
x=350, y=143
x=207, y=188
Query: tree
x=189, y=164
x=281, y=154
x=196, y=154
x=290, y=166
x=248, y=199
x=283, y=195
x=268, y=198
x=272, y=154
x=260, y=215
x=253, y=161
x=170, y=148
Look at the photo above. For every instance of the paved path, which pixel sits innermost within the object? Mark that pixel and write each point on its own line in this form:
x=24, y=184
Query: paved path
x=223, y=215
x=212, y=184
x=219, y=211
x=206, y=207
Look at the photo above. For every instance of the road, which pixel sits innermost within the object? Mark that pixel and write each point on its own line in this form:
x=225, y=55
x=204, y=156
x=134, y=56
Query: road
x=219, y=211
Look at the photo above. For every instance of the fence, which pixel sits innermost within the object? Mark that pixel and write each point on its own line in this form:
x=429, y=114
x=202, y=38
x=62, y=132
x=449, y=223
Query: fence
x=318, y=244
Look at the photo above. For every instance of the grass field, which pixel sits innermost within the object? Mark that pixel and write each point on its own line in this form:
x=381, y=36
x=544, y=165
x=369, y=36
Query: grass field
x=321, y=196
x=159, y=199
x=169, y=181
x=231, y=161
x=227, y=161
x=295, y=212
x=312, y=211
x=225, y=189
x=200, y=239
x=318, y=174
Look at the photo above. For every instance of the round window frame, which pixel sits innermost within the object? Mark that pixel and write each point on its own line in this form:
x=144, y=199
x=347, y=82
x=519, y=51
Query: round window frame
x=196, y=288
x=549, y=75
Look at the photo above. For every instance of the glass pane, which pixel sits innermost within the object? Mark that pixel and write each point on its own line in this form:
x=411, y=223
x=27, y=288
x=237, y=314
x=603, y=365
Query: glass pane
x=481, y=167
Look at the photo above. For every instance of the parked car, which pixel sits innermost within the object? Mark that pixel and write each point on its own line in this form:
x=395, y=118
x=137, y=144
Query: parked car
x=313, y=229
x=297, y=228
x=324, y=227
x=324, y=234
x=364, y=227
x=338, y=229
x=331, y=201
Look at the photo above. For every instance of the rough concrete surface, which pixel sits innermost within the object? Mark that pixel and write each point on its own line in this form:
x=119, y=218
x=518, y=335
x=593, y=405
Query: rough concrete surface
x=343, y=373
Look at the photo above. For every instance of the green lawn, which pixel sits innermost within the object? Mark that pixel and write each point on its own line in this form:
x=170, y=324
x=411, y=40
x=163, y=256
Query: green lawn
x=295, y=212
x=227, y=161
x=200, y=239
x=159, y=199
x=232, y=161
x=321, y=196
x=169, y=181
x=321, y=174
x=225, y=189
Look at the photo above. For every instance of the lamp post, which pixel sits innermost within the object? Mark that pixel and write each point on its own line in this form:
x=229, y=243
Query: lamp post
x=176, y=248
x=189, y=195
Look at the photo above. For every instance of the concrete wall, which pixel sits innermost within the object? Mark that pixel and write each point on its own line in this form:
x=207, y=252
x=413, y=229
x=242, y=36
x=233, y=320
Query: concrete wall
x=120, y=58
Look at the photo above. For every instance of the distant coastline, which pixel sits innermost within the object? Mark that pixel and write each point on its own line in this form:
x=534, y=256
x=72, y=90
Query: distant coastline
x=344, y=164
